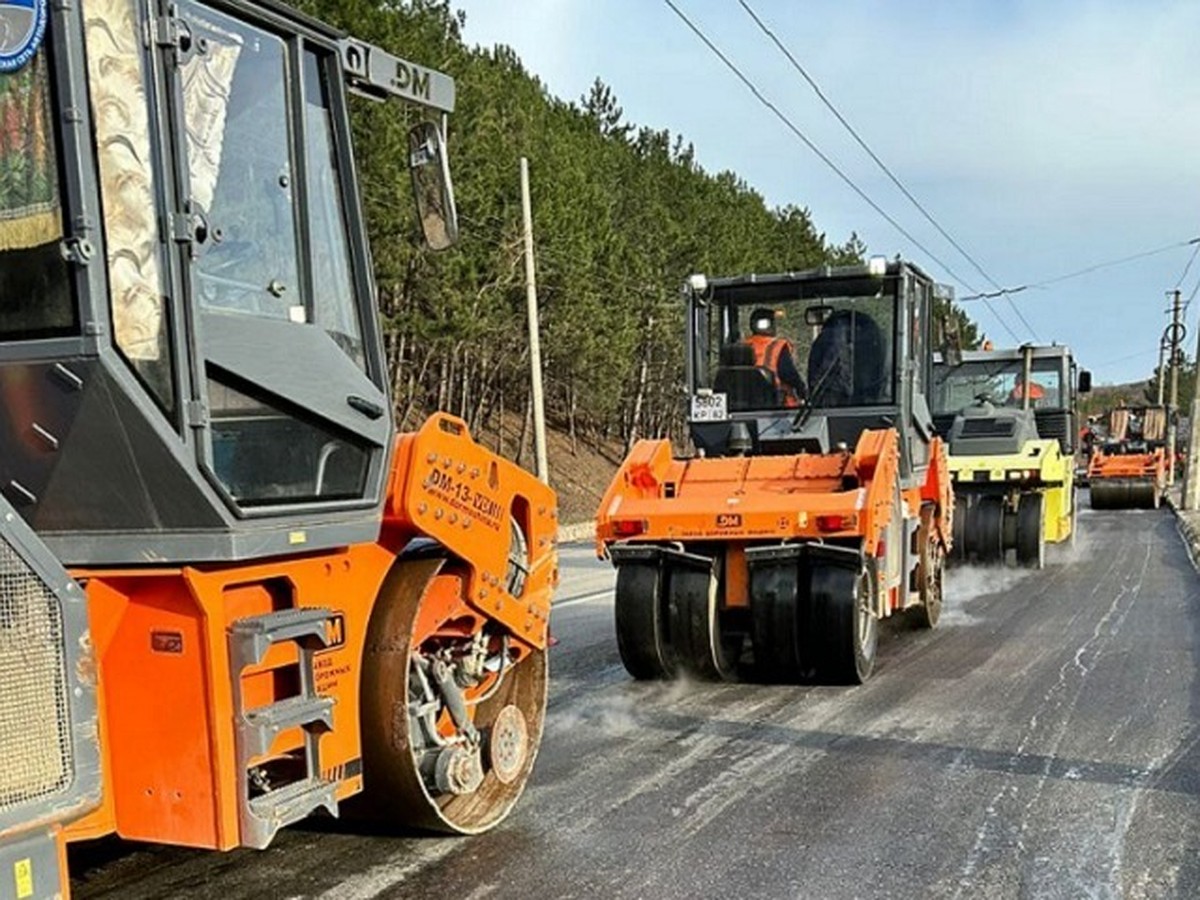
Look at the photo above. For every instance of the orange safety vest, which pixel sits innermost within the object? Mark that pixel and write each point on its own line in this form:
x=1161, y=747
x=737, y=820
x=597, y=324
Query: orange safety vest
x=767, y=350
x=1036, y=392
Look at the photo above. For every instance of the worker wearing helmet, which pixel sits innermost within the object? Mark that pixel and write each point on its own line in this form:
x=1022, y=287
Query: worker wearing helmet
x=775, y=355
x=1017, y=397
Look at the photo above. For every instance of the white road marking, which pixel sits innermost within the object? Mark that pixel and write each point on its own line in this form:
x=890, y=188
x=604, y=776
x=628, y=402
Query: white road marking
x=586, y=598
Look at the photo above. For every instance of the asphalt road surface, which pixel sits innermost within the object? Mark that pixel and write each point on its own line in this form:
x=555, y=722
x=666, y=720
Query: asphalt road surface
x=1044, y=741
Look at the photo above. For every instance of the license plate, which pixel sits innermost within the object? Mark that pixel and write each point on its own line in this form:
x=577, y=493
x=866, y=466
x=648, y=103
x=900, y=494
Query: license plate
x=709, y=408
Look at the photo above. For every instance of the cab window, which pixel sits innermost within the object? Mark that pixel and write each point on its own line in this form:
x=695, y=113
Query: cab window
x=36, y=298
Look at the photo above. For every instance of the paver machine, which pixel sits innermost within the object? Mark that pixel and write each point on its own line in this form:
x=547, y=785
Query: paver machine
x=1128, y=468
x=230, y=594
x=1010, y=419
x=809, y=511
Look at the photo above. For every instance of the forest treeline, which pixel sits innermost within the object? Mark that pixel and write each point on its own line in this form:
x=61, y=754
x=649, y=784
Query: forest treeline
x=622, y=214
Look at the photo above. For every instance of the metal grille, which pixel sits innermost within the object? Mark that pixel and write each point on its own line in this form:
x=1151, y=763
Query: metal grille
x=35, y=741
x=943, y=422
x=1056, y=424
x=988, y=427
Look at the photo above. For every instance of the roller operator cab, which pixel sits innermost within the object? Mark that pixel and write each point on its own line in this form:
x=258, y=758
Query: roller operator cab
x=198, y=458
x=817, y=501
x=1010, y=418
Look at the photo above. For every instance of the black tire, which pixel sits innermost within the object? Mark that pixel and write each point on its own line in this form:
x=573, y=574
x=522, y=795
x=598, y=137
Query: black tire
x=848, y=630
x=988, y=530
x=932, y=575
x=698, y=645
x=783, y=632
x=1031, y=535
x=959, y=550
x=1008, y=526
x=641, y=622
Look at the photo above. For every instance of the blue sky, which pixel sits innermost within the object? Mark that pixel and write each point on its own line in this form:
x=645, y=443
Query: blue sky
x=1044, y=137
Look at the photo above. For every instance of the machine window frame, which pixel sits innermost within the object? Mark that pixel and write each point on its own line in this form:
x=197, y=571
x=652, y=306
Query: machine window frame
x=320, y=402
x=735, y=302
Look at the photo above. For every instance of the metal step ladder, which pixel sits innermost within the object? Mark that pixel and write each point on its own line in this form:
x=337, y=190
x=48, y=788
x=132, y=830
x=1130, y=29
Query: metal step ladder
x=256, y=730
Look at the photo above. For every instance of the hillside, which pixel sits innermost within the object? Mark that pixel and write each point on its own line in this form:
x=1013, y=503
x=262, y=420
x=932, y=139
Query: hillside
x=580, y=473
x=1105, y=396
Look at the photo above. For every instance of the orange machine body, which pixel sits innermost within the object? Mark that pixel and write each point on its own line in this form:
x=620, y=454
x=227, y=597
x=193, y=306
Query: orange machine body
x=167, y=690
x=844, y=496
x=1151, y=465
x=1130, y=468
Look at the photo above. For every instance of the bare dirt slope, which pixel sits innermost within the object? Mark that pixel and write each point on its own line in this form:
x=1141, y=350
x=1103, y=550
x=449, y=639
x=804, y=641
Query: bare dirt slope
x=580, y=473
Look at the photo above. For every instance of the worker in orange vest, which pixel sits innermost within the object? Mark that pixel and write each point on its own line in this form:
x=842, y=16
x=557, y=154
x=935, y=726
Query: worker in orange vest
x=775, y=355
x=1036, y=393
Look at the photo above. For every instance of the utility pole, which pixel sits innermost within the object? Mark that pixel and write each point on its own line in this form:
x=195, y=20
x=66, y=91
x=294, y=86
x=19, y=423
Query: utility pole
x=535, y=347
x=1176, y=352
x=1161, y=371
x=1191, y=469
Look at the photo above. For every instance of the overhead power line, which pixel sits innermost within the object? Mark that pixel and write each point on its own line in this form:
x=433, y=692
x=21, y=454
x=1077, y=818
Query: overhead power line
x=1087, y=270
x=1187, y=268
x=1129, y=356
x=1192, y=295
x=1178, y=284
x=766, y=29
x=792, y=127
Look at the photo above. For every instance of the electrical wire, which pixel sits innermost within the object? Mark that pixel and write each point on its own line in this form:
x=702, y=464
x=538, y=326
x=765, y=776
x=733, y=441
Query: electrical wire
x=1192, y=295
x=1128, y=356
x=1187, y=268
x=1087, y=270
x=791, y=126
x=795, y=63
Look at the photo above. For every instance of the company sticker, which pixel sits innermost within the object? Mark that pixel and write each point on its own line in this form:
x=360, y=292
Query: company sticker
x=22, y=30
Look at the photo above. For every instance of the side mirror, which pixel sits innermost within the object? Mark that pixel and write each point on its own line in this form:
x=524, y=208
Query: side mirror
x=1085, y=381
x=431, y=185
x=817, y=315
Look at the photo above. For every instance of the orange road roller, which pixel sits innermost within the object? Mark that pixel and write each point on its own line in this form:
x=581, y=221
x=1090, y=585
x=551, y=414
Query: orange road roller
x=1128, y=467
x=817, y=500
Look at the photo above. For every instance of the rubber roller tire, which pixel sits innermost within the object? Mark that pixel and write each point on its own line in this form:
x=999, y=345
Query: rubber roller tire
x=846, y=624
x=1031, y=535
x=640, y=615
x=987, y=527
x=783, y=631
x=700, y=648
x=960, y=551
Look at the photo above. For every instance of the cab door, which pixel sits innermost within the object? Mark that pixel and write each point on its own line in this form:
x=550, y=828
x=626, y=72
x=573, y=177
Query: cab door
x=917, y=369
x=288, y=392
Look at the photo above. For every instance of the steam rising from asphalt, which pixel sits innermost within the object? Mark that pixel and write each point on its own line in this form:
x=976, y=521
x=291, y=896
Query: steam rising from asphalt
x=966, y=583
x=614, y=713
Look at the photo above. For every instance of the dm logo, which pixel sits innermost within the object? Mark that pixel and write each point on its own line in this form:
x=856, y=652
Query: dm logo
x=22, y=28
